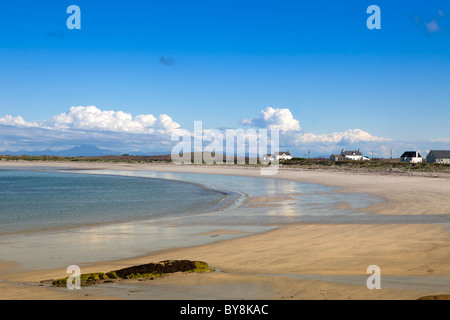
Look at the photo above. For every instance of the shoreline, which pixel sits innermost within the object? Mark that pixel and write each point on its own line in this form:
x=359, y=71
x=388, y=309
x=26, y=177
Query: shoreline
x=228, y=199
x=412, y=194
x=405, y=186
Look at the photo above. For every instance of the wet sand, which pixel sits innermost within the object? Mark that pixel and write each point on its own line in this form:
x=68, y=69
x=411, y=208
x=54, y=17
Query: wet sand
x=298, y=261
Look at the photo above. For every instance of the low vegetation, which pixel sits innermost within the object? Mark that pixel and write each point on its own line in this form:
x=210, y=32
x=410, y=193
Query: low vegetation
x=375, y=165
x=125, y=159
x=372, y=165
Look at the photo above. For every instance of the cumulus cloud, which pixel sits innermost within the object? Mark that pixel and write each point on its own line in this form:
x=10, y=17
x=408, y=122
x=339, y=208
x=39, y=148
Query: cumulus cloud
x=283, y=120
x=16, y=121
x=292, y=136
x=119, y=130
x=278, y=119
x=94, y=119
x=350, y=136
x=89, y=125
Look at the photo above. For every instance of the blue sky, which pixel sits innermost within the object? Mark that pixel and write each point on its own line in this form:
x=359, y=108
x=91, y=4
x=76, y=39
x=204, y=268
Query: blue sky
x=225, y=61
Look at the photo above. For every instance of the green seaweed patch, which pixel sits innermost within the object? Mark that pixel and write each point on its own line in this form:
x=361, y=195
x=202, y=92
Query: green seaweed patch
x=145, y=271
x=201, y=266
x=152, y=275
x=88, y=279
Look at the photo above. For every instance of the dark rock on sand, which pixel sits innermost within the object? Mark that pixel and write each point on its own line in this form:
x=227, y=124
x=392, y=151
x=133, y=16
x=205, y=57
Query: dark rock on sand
x=144, y=271
x=436, y=297
x=167, y=266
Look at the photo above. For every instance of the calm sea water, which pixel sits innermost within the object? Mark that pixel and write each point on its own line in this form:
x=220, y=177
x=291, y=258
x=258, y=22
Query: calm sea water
x=31, y=200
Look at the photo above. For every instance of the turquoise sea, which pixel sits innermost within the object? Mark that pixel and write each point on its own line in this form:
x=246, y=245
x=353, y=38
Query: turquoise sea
x=34, y=200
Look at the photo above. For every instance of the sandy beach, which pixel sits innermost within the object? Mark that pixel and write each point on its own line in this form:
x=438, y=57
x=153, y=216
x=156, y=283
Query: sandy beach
x=296, y=261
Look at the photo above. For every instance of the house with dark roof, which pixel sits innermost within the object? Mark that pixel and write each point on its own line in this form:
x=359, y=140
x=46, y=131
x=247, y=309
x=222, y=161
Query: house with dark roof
x=348, y=155
x=438, y=156
x=281, y=155
x=411, y=157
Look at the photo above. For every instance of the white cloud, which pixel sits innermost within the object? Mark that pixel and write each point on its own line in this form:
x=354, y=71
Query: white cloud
x=443, y=140
x=349, y=136
x=89, y=125
x=92, y=118
x=16, y=121
x=270, y=118
x=432, y=26
x=118, y=130
x=292, y=134
x=300, y=141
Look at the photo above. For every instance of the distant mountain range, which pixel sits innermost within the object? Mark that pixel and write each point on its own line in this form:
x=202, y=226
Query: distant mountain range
x=81, y=151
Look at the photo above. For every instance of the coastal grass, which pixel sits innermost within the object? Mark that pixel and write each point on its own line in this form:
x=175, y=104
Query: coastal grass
x=378, y=165
x=374, y=165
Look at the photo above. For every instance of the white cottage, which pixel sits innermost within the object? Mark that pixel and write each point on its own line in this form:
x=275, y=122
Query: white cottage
x=352, y=155
x=411, y=157
x=282, y=155
x=348, y=155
